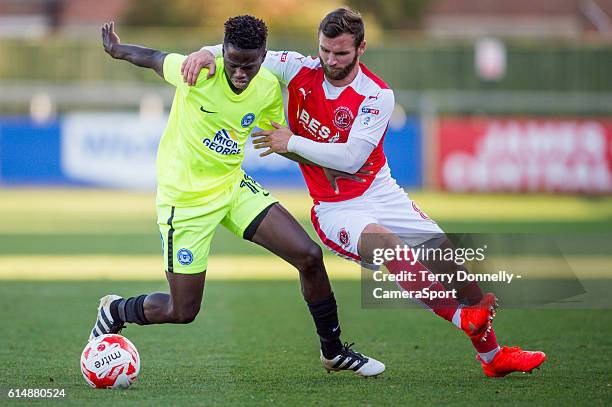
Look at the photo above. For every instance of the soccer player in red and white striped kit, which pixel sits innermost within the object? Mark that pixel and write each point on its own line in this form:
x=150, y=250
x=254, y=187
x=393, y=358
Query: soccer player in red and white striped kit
x=338, y=114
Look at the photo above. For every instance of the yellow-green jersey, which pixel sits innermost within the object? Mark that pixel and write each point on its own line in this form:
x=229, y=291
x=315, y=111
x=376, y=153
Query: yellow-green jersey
x=202, y=147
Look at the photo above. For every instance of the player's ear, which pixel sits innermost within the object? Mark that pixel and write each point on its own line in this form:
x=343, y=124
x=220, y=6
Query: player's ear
x=361, y=48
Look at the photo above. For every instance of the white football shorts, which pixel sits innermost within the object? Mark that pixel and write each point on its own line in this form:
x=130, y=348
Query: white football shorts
x=340, y=224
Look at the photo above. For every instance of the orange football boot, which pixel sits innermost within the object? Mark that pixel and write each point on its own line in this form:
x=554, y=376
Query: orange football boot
x=476, y=319
x=512, y=359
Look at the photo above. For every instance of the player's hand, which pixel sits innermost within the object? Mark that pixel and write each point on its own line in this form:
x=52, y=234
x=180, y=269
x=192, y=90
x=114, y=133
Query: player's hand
x=275, y=140
x=110, y=38
x=334, y=175
x=193, y=64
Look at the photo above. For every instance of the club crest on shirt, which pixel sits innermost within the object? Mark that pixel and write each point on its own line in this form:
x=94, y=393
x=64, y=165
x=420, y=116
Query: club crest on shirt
x=343, y=237
x=247, y=120
x=184, y=256
x=343, y=117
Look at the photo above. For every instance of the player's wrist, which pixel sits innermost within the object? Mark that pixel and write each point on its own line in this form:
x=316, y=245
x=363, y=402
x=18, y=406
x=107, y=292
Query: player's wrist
x=118, y=51
x=292, y=144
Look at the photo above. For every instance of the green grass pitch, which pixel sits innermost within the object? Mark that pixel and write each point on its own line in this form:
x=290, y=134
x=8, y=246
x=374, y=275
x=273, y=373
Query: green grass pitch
x=254, y=341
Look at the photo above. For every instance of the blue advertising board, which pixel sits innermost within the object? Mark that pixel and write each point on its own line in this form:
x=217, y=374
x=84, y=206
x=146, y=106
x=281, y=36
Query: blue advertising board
x=29, y=152
x=61, y=152
x=403, y=148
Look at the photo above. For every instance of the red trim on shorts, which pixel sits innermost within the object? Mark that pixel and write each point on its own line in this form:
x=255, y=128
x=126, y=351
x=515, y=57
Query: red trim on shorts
x=328, y=242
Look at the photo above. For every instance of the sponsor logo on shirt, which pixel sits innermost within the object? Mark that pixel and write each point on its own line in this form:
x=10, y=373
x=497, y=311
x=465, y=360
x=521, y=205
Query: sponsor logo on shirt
x=313, y=126
x=369, y=110
x=304, y=93
x=223, y=142
x=206, y=111
x=343, y=117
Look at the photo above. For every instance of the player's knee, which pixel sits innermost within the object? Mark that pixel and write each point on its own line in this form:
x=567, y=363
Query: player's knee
x=185, y=315
x=310, y=259
x=375, y=228
x=377, y=236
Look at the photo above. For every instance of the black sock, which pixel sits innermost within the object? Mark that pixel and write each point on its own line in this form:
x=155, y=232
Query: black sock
x=114, y=310
x=325, y=316
x=129, y=310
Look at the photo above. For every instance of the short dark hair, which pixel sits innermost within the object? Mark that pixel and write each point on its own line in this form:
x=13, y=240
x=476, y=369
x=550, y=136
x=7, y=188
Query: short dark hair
x=343, y=20
x=245, y=32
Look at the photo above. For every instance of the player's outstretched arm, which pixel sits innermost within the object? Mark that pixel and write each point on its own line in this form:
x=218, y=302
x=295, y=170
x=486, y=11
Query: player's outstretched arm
x=282, y=64
x=140, y=56
x=346, y=157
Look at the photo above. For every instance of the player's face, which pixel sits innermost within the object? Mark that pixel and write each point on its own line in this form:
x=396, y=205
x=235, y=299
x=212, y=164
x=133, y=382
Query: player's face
x=339, y=56
x=241, y=65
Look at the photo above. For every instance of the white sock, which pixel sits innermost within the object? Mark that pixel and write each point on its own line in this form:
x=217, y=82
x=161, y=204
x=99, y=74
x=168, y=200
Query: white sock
x=457, y=317
x=488, y=356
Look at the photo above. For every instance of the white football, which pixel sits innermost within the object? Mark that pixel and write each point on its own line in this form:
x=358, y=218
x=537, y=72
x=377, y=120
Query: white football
x=110, y=362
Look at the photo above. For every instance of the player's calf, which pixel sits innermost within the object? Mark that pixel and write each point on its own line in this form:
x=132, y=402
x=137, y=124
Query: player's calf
x=156, y=308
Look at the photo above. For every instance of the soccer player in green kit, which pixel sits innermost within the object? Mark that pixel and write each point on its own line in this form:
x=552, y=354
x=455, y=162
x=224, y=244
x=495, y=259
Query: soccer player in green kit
x=201, y=185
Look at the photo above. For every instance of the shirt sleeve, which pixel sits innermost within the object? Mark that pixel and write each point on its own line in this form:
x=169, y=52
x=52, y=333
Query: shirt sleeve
x=172, y=70
x=274, y=112
x=283, y=64
x=373, y=117
x=216, y=50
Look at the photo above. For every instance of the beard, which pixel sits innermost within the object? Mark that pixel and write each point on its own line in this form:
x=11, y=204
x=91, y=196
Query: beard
x=338, y=74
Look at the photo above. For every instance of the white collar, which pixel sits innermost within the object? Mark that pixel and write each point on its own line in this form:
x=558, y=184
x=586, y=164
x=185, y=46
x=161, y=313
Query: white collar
x=332, y=92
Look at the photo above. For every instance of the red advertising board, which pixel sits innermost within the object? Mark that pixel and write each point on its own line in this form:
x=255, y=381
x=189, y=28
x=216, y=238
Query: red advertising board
x=525, y=155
